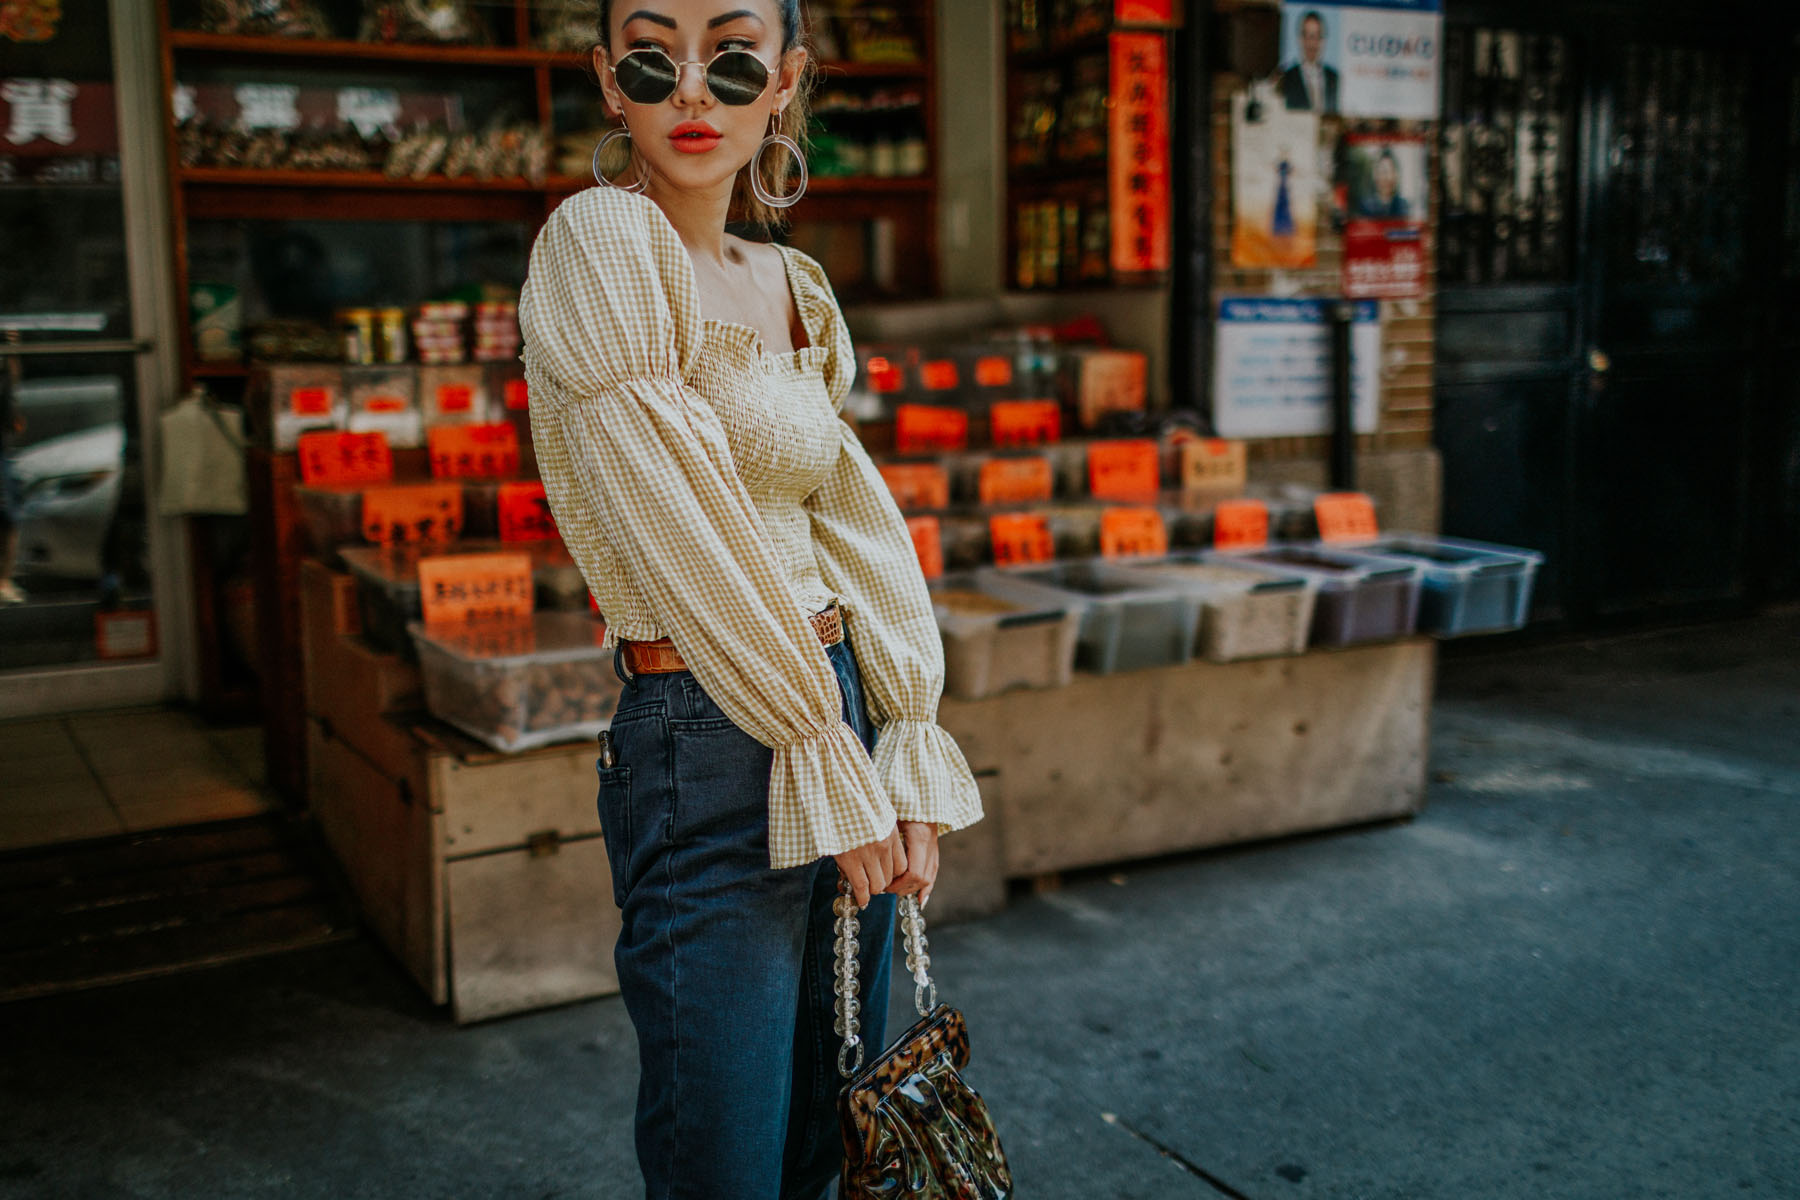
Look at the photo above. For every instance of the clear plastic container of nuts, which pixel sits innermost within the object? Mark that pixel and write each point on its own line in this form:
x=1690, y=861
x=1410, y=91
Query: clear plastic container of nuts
x=520, y=684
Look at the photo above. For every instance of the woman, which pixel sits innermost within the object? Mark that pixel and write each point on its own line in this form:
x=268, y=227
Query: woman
x=684, y=392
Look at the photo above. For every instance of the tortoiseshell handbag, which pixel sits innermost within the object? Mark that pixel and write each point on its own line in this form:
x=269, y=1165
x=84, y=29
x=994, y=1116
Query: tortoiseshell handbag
x=912, y=1127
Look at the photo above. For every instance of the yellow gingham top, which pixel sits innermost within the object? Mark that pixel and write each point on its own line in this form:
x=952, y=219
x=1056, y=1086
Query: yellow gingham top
x=711, y=494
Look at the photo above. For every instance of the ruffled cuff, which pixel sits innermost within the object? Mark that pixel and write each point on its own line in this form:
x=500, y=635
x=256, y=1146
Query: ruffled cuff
x=824, y=798
x=926, y=776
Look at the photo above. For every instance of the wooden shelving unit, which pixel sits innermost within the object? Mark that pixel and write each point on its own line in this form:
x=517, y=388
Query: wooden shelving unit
x=239, y=194
x=1076, y=190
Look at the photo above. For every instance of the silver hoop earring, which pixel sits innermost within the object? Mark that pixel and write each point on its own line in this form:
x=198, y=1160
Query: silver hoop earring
x=612, y=136
x=756, y=180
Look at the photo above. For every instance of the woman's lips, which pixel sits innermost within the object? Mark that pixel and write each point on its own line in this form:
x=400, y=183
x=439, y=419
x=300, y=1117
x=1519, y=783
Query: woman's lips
x=693, y=137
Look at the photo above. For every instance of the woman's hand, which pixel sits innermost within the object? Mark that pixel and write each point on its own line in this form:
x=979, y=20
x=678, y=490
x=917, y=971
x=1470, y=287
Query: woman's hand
x=871, y=868
x=921, y=841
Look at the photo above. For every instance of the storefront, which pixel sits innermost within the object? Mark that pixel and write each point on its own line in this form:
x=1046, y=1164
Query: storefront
x=1131, y=285
x=97, y=613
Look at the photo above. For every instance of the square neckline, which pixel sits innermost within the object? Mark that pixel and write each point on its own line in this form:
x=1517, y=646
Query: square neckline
x=795, y=358
x=757, y=342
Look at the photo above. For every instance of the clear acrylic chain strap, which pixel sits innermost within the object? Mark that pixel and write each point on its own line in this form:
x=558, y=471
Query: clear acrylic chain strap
x=918, y=962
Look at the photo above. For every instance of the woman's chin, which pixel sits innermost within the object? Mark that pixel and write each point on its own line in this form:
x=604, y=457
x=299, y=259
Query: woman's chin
x=701, y=173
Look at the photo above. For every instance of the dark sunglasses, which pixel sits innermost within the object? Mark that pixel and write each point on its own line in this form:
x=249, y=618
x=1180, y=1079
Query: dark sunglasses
x=650, y=76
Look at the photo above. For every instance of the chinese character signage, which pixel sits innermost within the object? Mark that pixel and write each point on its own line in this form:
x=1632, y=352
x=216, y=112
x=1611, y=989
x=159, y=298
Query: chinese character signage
x=1144, y=12
x=1139, y=157
x=1387, y=194
x=1274, y=186
x=1374, y=58
x=1272, y=368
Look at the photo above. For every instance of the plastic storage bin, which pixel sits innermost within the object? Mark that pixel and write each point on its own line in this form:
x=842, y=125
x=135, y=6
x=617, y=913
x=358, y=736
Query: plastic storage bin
x=519, y=685
x=454, y=395
x=1126, y=622
x=387, y=591
x=993, y=643
x=560, y=584
x=481, y=506
x=294, y=399
x=385, y=400
x=1468, y=587
x=1246, y=612
x=333, y=518
x=1361, y=598
x=389, y=596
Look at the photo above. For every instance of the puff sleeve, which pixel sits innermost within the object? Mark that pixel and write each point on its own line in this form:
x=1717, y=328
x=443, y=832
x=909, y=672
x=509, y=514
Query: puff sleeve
x=639, y=475
x=865, y=554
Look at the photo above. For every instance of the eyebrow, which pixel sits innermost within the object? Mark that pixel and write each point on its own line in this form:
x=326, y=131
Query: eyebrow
x=644, y=14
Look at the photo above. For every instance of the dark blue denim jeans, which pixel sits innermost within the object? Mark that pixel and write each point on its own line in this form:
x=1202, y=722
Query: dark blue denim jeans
x=725, y=965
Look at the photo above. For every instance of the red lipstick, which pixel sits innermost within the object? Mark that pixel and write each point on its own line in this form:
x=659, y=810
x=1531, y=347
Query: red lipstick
x=694, y=137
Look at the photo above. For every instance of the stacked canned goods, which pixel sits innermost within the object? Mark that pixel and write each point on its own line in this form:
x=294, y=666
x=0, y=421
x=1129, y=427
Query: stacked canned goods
x=496, y=331
x=438, y=331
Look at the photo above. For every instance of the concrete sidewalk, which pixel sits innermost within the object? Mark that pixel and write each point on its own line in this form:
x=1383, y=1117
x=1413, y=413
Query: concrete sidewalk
x=1574, y=975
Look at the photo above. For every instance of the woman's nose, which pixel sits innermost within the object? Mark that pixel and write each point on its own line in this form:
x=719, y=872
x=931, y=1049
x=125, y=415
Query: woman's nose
x=690, y=85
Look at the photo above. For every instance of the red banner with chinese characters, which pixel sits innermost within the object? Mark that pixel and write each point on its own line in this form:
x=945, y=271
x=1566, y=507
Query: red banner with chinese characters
x=1138, y=159
x=1144, y=12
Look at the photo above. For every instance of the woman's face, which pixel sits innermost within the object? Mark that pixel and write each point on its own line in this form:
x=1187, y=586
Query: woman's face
x=1387, y=178
x=691, y=141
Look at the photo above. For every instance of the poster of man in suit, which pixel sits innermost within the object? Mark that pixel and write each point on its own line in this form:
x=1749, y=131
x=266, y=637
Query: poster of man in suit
x=1310, y=83
x=1365, y=58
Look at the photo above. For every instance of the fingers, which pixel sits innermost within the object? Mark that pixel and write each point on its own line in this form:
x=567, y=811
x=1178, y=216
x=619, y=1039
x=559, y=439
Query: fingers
x=858, y=877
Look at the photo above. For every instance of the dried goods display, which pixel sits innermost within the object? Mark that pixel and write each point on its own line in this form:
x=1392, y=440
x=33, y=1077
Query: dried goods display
x=440, y=21
x=565, y=25
x=520, y=684
x=265, y=18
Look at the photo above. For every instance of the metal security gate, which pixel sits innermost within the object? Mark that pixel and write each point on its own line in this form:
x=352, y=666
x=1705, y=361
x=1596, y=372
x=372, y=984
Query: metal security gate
x=1609, y=270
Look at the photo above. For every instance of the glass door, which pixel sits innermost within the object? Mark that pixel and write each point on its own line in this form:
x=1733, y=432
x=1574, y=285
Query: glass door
x=83, y=620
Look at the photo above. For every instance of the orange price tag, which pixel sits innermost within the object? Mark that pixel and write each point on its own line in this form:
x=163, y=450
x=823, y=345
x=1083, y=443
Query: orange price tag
x=344, y=458
x=1024, y=422
x=474, y=451
x=1241, y=525
x=917, y=485
x=885, y=376
x=1129, y=532
x=524, y=513
x=384, y=404
x=993, y=371
x=939, y=375
x=923, y=428
x=455, y=397
x=518, y=396
x=310, y=401
x=458, y=589
x=928, y=544
x=1124, y=470
x=1212, y=464
x=418, y=512
x=1021, y=538
x=1015, y=480
x=1345, y=517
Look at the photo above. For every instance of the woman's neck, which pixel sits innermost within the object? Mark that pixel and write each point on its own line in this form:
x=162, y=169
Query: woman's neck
x=698, y=217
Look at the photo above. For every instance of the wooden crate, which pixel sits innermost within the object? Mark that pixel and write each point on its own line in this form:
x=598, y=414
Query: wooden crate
x=1145, y=763
x=351, y=687
x=485, y=875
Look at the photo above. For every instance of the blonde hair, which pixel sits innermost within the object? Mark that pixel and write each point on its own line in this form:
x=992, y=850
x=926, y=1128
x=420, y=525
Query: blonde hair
x=795, y=121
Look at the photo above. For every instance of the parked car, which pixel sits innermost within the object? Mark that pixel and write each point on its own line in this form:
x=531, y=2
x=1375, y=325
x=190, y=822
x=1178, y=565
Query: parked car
x=69, y=465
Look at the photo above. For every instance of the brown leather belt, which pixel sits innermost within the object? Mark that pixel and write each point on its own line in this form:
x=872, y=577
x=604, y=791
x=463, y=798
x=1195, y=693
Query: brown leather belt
x=660, y=657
